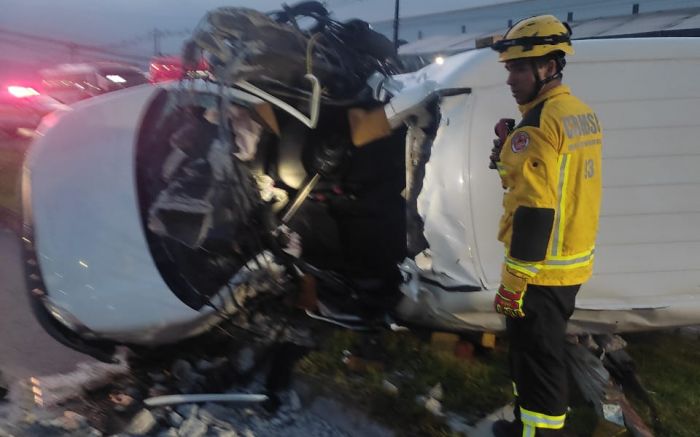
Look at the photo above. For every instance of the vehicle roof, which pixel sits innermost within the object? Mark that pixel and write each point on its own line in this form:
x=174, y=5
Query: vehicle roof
x=167, y=59
x=480, y=68
x=86, y=68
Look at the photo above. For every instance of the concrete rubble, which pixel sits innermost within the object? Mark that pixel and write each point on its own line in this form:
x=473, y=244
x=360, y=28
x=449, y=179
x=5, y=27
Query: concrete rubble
x=79, y=412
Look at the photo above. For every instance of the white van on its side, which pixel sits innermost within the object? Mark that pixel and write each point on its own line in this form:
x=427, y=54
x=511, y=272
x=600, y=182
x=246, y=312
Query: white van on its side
x=100, y=280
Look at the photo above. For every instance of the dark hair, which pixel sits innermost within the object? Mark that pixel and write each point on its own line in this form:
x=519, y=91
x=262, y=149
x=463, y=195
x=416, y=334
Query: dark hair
x=557, y=56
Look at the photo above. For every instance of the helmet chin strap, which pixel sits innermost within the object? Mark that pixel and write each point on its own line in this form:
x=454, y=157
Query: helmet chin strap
x=539, y=83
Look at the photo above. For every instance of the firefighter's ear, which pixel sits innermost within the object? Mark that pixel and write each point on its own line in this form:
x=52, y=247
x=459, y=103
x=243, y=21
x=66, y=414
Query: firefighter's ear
x=552, y=68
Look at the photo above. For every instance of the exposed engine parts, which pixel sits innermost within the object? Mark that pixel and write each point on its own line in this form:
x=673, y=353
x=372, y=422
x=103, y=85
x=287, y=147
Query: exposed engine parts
x=225, y=167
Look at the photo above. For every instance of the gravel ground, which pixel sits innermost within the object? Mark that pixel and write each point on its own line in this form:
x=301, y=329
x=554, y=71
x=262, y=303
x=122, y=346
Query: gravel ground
x=107, y=400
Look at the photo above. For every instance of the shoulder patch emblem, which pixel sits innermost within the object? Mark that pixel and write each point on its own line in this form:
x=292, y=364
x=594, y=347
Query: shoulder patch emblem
x=519, y=141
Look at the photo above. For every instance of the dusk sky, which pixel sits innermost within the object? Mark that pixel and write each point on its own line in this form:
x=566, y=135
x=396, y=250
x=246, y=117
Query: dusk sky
x=114, y=21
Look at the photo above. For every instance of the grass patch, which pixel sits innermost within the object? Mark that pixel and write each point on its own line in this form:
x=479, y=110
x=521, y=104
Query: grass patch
x=472, y=388
x=582, y=418
x=668, y=366
x=10, y=168
x=667, y=363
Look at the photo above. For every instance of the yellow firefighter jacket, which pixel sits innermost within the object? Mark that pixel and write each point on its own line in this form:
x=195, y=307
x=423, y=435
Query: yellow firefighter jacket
x=550, y=168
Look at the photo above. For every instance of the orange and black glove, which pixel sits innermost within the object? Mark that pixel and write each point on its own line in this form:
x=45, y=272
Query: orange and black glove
x=510, y=295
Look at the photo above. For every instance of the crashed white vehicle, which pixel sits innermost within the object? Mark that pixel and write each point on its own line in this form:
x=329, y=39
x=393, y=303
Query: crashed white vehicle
x=149, y=209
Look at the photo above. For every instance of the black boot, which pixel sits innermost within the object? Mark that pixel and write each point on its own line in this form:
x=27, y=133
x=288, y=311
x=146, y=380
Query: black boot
x=504, y=428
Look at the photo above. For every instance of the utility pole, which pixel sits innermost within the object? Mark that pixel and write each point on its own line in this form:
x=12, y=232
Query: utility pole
x=156, y=42
x=72, y=51
x=396, y=24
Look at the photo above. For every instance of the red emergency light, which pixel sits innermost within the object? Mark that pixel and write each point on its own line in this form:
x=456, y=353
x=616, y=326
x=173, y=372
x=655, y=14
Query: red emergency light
x=165, y=68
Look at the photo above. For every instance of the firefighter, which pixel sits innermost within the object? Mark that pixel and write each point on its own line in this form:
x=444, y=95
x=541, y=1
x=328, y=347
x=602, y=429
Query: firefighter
x=550, y=168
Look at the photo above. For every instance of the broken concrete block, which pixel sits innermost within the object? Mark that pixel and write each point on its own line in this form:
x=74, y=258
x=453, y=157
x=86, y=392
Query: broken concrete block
x=171, y=432
x=436, y=392
x=193, y=427
x=389, y=387
x=434, y=406
x=488, y=340
x=175, y=419
x=187, y=410
x=443, y=341
x=142, y=423
x=464, y=350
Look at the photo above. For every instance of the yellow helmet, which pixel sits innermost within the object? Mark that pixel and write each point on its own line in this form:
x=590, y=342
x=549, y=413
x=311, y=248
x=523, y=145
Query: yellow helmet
x=534, y=37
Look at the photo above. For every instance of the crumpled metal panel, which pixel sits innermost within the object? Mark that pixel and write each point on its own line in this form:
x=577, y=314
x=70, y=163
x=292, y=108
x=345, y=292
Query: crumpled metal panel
x=448, y=226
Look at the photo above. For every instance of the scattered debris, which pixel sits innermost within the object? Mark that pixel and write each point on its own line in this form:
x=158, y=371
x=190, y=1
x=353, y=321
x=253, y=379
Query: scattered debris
x=52, y=390
x=112, y=407
x=70, y=421
x=464, y=350
x=186, y=399
x=434, y=406
x=142, y=424
x=193, y=427
x=613, y=413
x=390, y=388
x=121, y=401
x=175, y=419
x=444, y=341
x=3, y=387
x=691, y=332
x=436, y=392
x=590, y=360
x=488, y=340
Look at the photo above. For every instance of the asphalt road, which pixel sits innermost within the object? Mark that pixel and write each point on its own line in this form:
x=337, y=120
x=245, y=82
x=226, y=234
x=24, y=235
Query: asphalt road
x=25, y=348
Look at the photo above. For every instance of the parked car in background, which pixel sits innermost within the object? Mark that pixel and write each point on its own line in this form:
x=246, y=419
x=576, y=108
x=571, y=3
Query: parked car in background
x=70, y=83
x=166, y=68
x=22, y=108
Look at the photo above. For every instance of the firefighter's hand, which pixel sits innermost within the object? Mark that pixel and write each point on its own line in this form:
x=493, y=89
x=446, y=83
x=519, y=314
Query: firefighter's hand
x=502, y=129
x=495, y=153
x=509, y=302
x=509, y=299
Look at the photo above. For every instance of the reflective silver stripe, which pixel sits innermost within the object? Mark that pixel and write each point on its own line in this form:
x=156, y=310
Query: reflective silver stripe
x=530, y=268
x=541, y=420
x=560, y=198
x=573, y=256
x=567, y=262
x=529, y=430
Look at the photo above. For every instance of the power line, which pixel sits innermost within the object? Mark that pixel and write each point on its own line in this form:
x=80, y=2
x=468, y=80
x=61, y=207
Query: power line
x=71, y=45
x=147, y=37
x=50, y=55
